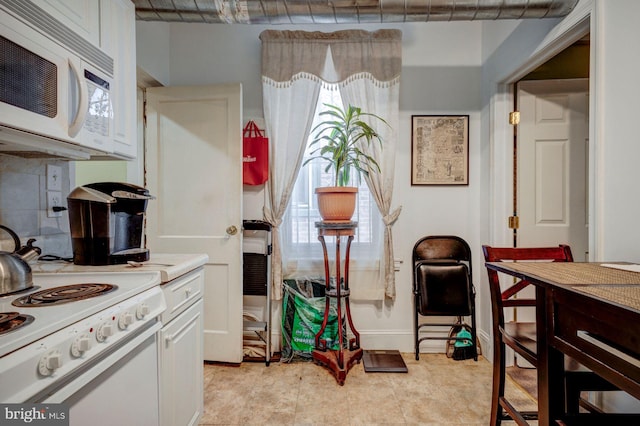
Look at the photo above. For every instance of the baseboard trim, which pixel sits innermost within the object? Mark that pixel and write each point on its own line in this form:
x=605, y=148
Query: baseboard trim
x=401, y=340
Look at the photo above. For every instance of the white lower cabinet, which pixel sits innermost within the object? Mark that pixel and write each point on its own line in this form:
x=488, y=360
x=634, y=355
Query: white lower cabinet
x=181, y=353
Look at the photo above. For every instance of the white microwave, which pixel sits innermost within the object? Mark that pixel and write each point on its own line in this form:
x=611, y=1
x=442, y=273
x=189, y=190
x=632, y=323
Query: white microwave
x=51, y=95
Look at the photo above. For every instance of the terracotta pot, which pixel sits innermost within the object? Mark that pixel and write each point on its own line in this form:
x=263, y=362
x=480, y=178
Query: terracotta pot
x=337, y=203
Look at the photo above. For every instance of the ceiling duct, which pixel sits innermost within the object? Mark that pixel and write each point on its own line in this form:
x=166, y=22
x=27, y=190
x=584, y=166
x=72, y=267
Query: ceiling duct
x=346, y=11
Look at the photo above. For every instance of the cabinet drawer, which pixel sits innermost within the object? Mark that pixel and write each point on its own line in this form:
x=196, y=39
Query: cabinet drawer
x=182, y=293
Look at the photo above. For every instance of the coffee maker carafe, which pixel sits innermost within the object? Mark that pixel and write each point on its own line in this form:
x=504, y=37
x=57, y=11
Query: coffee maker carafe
x=107, y=223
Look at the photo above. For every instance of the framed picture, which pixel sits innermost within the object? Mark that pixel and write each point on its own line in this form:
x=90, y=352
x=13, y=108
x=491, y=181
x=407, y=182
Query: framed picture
x=439, y=150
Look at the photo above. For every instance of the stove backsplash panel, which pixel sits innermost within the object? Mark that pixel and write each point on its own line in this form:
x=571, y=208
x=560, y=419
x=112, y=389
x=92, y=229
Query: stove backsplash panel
x=23, y=204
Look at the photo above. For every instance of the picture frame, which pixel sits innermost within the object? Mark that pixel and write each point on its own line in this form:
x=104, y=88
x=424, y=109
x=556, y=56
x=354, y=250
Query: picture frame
x=439, y=150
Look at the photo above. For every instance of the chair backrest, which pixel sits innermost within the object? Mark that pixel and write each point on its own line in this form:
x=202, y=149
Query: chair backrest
x=442, y=276
x=502, y=298
x=442, y=247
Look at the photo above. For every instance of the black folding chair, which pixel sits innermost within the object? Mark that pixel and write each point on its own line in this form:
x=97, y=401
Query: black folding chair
x=443, y=286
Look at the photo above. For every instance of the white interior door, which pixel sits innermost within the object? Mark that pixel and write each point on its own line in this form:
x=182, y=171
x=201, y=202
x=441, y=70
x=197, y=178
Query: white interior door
x=552, y=163
x=552, y=160
x=194, y=168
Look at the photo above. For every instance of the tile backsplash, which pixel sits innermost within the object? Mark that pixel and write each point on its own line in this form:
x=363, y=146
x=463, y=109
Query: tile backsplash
x=23, y=203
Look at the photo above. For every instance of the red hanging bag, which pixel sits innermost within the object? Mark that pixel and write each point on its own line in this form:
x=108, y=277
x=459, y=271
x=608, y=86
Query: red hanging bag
x=255, y=155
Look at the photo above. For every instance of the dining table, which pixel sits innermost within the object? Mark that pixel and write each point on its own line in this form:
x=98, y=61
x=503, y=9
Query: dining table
x=589, y=311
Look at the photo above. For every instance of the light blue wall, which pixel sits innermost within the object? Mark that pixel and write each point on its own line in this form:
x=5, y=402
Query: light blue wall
x=441, y=75
x=450, y=68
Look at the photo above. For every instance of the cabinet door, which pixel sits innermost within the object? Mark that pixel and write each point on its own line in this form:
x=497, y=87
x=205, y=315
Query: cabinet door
x=119, y=41
x=181, y=369
x=80, y=16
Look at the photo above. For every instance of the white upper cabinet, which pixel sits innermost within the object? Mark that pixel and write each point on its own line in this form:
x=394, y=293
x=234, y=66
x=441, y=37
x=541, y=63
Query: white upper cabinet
x=80, y=16
x=119, y=41
x=92, y=45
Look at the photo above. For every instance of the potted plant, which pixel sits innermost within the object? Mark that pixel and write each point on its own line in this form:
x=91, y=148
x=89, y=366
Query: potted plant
x=341, y=137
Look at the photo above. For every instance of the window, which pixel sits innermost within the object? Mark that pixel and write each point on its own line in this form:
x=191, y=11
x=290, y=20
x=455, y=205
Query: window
x=300, y=236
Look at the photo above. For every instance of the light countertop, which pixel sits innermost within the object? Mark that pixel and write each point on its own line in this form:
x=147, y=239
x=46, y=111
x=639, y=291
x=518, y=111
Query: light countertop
x=170, y=265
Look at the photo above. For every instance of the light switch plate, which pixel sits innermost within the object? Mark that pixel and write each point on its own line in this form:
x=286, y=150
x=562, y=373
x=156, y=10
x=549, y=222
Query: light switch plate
x=54, y=199
x=54, y=178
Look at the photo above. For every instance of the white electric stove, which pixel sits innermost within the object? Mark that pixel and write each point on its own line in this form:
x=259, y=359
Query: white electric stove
x=73, y=351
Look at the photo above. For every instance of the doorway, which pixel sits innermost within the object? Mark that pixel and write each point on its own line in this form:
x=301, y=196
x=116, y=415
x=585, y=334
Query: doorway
x=550, y=173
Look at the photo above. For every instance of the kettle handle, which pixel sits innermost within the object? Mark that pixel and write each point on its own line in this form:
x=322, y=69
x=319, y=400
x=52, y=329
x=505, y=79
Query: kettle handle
x=16, y=240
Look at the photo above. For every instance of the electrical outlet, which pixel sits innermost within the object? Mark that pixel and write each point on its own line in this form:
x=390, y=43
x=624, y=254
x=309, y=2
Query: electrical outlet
x=396, y=264
x=54, y=178
x=54, y=199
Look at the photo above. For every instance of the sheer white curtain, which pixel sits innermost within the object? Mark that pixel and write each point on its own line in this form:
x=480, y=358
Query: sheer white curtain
x=382, y=101
x=367, y=67
x=289, y=100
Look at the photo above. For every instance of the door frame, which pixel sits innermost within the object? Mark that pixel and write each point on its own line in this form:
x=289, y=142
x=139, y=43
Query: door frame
x=573, y=28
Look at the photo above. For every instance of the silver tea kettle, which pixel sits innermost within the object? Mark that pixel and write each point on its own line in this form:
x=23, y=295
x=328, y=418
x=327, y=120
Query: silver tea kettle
x=15, y=272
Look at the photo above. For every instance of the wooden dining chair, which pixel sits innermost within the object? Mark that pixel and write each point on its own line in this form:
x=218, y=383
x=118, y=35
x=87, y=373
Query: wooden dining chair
x=521, y=336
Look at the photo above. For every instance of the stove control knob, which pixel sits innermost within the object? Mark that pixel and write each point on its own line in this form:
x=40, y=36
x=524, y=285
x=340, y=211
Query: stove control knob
x=80, y=345
x=125, y=320
x=104, y=331
x=50, y=362
x=142, y=311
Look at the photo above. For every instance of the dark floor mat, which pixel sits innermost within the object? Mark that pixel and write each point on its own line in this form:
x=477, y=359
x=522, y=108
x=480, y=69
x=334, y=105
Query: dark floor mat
x=387, y=361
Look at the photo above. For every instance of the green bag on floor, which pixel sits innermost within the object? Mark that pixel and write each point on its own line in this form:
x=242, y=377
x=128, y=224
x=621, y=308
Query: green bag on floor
x=303, y=311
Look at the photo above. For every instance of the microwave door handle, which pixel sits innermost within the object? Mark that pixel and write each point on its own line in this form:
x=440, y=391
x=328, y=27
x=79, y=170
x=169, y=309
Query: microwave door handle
x=81, y=114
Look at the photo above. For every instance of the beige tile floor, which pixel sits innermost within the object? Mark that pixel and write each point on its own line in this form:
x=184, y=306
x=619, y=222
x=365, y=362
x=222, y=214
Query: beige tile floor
x=436, y=391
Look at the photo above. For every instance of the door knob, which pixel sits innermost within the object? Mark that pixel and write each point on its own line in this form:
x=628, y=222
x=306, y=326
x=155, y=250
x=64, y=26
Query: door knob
x=232, y=230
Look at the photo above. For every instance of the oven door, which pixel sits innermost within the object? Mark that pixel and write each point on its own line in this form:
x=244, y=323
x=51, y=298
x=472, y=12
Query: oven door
x=120, y=388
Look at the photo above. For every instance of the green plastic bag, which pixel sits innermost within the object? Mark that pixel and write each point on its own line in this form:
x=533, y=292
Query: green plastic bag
x=303, y=311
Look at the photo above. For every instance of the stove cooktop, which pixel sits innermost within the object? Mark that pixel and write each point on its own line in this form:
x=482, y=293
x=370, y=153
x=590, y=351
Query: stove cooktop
x=63, y=294
x=11, y=321
x=46, y=318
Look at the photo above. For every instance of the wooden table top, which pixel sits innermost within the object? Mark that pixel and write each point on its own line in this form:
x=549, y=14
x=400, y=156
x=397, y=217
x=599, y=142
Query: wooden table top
x=615, y=285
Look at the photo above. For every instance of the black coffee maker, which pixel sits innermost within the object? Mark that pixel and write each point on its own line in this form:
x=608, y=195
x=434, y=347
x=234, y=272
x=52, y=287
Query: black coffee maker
x=107, y=223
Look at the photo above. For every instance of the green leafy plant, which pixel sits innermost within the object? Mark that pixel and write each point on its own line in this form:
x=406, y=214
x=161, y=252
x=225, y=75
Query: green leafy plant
x=344, y=132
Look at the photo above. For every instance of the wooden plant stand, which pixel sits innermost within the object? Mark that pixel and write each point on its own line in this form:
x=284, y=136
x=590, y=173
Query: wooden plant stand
x=338, y=361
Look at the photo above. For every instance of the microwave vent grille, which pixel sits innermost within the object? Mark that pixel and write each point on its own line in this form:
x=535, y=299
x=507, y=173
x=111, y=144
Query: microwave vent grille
x=51, y=27
x=40, y=99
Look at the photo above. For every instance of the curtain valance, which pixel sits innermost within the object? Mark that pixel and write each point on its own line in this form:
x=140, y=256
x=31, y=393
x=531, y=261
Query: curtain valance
x=352, y=52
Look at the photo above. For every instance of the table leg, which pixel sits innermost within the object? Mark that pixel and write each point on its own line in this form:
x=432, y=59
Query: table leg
x=550, y=364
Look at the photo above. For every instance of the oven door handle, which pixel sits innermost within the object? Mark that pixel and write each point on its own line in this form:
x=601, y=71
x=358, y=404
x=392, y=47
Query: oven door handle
x=73, y=386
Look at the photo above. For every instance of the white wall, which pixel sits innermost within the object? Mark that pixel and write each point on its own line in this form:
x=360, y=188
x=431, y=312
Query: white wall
x=616, y=130
x=152, y=51
x=441, y=75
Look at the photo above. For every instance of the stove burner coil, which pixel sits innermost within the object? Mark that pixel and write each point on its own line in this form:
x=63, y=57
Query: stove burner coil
x=10, y=321
x=63, y=294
